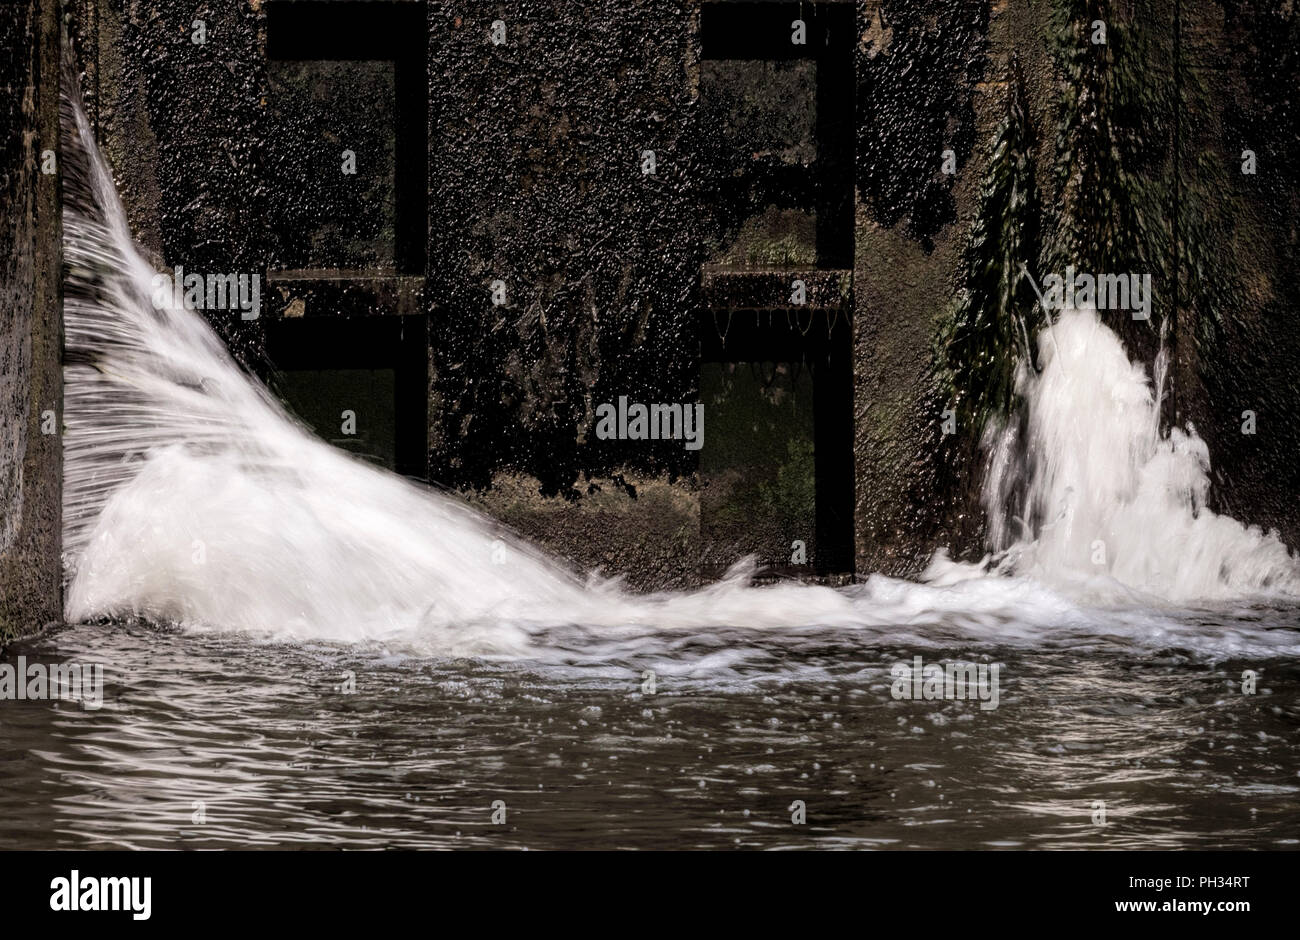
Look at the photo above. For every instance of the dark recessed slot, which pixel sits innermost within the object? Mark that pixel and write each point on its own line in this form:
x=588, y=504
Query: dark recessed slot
x=375, y=367
x=763, y=31
x=342, y=71
x=773, y=360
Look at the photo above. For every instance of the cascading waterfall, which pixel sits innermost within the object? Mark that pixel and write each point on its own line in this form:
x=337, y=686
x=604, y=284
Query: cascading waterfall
x=191, y=497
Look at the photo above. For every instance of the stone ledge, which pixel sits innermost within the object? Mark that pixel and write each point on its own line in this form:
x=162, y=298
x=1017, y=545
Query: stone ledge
x=342, y=293
x=772, y=288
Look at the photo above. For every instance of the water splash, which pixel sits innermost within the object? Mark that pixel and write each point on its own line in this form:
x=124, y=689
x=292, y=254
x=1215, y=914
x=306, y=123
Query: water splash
x=1090, y=497
x=191, y=497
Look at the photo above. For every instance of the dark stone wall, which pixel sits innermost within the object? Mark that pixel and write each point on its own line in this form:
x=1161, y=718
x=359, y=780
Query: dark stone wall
x=920, y=73
x=536, y=150
x=1185, y=89
x=227, y=159
x=30, y=319
x=1239, y=274
x=184, y=128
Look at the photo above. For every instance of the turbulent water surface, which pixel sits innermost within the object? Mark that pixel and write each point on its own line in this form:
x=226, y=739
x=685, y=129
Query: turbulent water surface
x=739, y=728
x=304, y=650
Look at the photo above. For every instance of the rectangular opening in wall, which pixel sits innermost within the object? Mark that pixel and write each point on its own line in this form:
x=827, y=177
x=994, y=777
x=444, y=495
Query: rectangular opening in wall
x=758, y=470
x=764, y=114
x=777, y=465
x=778, y=97
x=347, y=149
x=356, y=406
x=359, y=383
x=332, y=163
x=786, y=111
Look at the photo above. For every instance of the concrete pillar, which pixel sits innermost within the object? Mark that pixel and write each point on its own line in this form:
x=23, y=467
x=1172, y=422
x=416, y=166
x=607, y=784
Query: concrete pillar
x=31, y=340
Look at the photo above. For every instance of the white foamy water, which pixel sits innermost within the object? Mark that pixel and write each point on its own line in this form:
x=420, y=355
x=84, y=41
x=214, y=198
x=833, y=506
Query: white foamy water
x=1114, y=510
x=192, y=498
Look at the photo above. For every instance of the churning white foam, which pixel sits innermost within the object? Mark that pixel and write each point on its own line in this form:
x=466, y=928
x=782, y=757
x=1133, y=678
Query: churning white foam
x=191, y=497
x=1103, y=506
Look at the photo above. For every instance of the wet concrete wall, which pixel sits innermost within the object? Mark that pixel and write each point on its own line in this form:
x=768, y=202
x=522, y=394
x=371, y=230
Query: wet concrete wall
x=608, y=194
x=1238, y=279
x=1162, y=149
x=30, y=338
x=921, y=70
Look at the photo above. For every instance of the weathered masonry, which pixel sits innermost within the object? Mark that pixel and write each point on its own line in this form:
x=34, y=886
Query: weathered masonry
x=31, y=390
x=478, y=222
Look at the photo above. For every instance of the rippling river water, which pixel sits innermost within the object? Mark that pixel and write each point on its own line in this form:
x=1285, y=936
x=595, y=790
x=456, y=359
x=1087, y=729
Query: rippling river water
x=221, y=741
